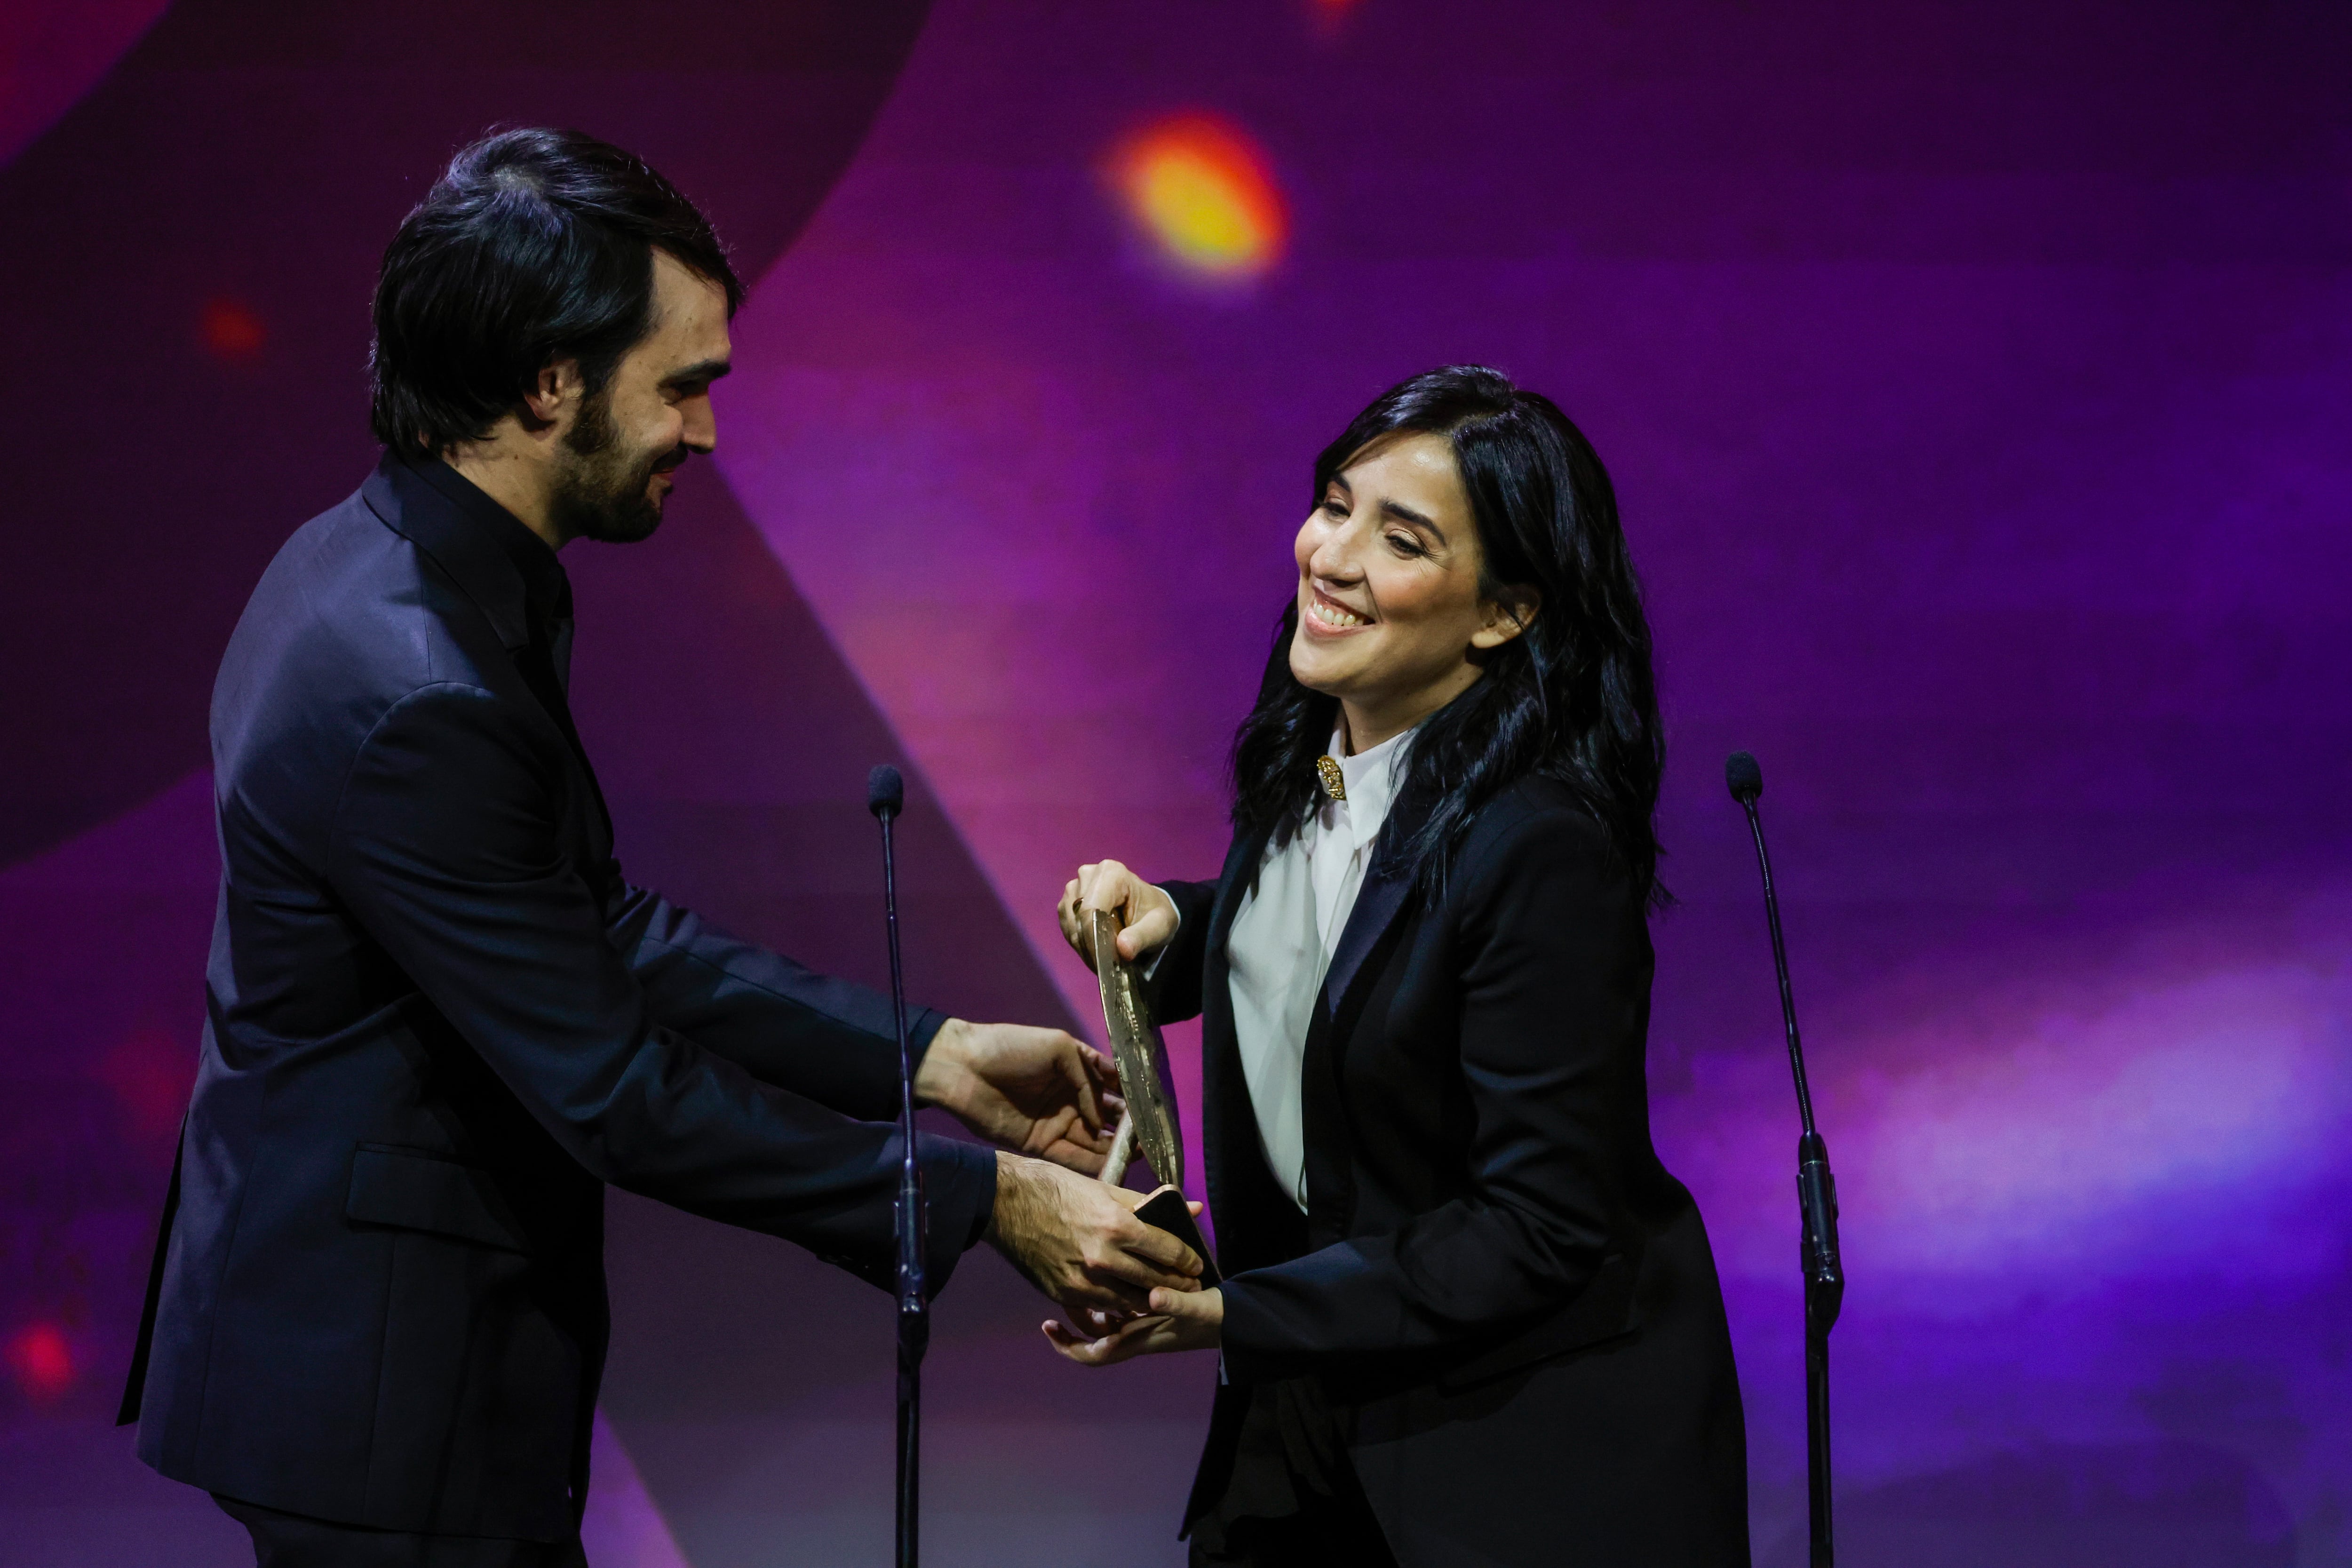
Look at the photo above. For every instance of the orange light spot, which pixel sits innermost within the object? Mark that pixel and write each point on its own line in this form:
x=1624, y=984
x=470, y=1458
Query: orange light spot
x=42, y=1361
x=1206, y=192
x=231, y=331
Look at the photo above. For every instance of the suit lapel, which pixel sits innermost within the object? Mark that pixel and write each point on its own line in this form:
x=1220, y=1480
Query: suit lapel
x=1241, y=868
x=1386, y=891
x=1256, y=1225
x=1330, y=1035
x=1387, y=886
x=1380, y=902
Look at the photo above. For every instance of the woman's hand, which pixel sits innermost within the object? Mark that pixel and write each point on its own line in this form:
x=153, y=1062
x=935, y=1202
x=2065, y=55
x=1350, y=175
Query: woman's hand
x=1176, y=1321
x=1148, y=915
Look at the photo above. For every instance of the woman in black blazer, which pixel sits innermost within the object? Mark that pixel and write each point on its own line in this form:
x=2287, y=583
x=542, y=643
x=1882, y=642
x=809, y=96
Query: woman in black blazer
x=1468, y=1316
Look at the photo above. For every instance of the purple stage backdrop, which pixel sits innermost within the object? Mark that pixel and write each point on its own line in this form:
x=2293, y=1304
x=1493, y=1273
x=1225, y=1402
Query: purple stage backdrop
x=1977, y=377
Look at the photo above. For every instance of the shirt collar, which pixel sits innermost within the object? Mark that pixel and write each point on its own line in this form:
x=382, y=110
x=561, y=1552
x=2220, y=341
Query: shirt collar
x=1370, y=778
x=502, y=565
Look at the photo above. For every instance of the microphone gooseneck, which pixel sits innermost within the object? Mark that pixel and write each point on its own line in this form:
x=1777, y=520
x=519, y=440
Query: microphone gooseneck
x=1745, y=776
x=1824, y=1268
x=886, y=796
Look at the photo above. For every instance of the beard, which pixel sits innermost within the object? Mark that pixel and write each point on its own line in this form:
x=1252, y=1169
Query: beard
x=605, y=491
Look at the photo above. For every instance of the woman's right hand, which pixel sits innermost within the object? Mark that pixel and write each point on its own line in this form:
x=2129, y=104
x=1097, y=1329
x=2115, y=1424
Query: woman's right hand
x=1148, y=914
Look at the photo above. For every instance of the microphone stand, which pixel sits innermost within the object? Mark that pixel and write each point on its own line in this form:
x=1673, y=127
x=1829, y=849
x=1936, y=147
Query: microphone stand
x=1816, y=1196
x=885, y=794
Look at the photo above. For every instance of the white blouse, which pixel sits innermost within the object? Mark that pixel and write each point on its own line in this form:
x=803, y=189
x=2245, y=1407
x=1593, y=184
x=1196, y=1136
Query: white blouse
x=1283, y=938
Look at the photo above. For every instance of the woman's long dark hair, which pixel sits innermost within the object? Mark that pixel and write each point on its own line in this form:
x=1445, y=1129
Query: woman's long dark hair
x=1572, y=698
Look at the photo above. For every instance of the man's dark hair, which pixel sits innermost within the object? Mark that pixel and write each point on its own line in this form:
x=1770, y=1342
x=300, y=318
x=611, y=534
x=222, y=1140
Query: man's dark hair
x=535, y=246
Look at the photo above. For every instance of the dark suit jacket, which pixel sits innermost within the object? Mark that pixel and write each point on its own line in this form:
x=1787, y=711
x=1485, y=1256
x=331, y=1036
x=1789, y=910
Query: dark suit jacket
x=1507, y=1300
x=438, y=1023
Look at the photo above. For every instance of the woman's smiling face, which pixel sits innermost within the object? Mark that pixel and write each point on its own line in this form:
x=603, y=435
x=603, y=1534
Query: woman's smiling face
x=1389, y=616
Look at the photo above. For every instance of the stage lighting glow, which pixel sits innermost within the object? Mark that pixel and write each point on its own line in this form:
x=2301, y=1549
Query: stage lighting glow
x=1206, y=192
x=231, y=331
x=149, y=1072
x=42, y=1361
x=2097, y=1137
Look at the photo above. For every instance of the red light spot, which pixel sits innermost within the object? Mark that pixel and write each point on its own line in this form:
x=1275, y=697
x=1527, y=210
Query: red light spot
x=149, y=1072
x=231, y=331
x=42, y=1361
x=1326, y=19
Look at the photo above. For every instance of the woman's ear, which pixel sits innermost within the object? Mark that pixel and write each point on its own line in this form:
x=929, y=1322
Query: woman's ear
x=1506, y=617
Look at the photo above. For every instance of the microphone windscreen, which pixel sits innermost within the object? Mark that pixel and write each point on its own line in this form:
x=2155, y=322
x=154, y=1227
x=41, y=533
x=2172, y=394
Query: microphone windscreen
x=886, y=792
x=1745, y=777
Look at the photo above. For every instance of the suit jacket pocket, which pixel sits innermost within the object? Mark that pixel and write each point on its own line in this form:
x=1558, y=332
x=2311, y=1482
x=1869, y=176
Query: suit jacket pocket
x=416, y=1190
x=1601, y=1310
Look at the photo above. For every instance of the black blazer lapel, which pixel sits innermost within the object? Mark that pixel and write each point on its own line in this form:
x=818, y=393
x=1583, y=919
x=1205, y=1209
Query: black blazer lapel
x=1381, y=901
x=1257, y=1222
x=1387, y=886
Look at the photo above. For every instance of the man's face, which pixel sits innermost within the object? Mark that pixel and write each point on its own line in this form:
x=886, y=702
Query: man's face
x=613, y=472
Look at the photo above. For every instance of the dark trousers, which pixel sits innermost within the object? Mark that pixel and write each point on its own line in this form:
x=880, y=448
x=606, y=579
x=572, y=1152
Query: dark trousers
x=1277, y=1489
x=1337, y=1531
x=292, y=1541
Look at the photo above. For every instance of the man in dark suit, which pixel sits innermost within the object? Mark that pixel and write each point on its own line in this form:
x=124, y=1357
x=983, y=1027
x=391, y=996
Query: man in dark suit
x=439, y=1020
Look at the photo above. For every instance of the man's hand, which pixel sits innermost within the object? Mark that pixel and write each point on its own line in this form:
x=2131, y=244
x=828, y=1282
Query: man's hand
x=1173, y=1320
x=1148, y=913
x=1036, y=1091
x=1079, y=1241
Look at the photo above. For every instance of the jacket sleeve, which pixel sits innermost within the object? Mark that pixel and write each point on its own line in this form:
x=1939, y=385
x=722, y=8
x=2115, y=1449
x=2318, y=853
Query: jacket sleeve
x=831, y=1040
x=1176, y=980
x=1554, y=974
x=445, y=847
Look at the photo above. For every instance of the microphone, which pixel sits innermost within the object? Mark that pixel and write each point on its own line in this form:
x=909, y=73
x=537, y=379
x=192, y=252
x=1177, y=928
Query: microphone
x=886, y=792
x=886, y=796
x=1745, y=775
x=1824, y=1270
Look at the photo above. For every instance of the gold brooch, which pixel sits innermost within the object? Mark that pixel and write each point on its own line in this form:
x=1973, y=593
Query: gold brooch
x=1334, y=783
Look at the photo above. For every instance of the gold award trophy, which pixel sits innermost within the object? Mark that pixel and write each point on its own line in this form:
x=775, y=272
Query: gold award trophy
x=1149, y=1123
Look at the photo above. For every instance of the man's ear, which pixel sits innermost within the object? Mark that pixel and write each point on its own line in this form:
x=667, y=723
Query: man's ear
x=1506, y=616
x=558, y=387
